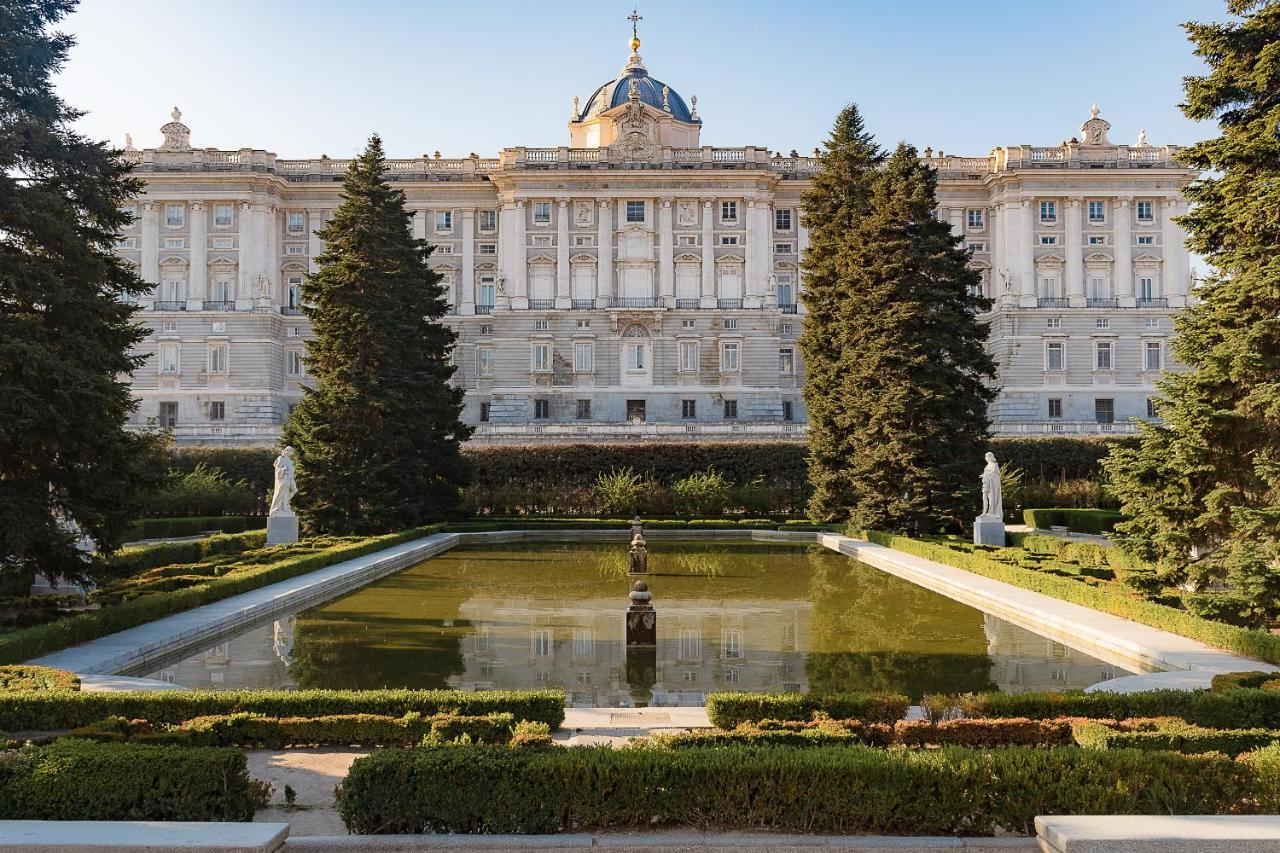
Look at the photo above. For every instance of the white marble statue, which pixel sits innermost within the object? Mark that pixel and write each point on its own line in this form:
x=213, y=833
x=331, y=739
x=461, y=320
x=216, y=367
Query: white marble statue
x=992, y=502
x=286, y=486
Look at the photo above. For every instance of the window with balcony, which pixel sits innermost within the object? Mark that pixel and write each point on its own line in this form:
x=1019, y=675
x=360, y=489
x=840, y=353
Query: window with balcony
x=1097, y=212
x=488, y=288
x=1146, y=289
x=297, y=222
x=728, y=211
x=584, y=357
x=635, y=211
x=730, y=410
x=1048, y=212
x=541, y=212
x=1102, y=355
x=484, y=361
x=1154, y=355
x=782, y=219
x=540, y=358
x=689, y=409
x=1055, y=356
x=976, y=219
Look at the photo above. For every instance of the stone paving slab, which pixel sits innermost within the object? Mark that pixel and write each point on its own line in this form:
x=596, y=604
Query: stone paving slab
x=101, y=836
x=1091, y=631
x=1159, y=834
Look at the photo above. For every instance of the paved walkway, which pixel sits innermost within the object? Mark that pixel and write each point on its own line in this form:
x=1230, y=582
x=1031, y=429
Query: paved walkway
x=1102, y=635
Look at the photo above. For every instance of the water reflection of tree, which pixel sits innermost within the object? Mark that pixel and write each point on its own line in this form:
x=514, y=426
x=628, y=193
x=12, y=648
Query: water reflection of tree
x=332, y=654
x=873, y=631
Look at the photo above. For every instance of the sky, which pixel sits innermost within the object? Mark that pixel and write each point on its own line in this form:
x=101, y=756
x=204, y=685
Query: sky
x=303, y=79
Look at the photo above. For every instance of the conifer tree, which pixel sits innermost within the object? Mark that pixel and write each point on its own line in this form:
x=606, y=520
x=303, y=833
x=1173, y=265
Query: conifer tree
x=378, y=436
x=66, y=330
x=912, y=373
x=1203, y=488
x=837, y=197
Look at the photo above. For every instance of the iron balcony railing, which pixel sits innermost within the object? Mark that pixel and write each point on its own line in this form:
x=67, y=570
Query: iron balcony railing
x=541, y=304
x=634, y=302
x=484, y=309
x=1051, y=302
x=582, y=304
x=1102, y=303
x=169, y=306
x=291, y=310
x=728, y=303
x=1156, y=302
x=788, y=307
x=209, y=305
x=688, y=304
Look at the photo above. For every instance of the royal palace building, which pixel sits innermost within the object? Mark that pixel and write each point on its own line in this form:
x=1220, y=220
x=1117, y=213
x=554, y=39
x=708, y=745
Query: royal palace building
x=636, y=284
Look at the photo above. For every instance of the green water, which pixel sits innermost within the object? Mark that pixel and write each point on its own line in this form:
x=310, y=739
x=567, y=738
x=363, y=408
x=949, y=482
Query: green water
x=731, y=616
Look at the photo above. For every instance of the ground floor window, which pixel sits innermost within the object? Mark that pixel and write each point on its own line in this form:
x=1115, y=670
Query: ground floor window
x=688, y=409
x=584, y=410
x=730, y=409
x=1104, y=410
x=788, y=413
x=168, y=414
x=217, y=410
x=542, y=409
x=1055, y=407
x=636, y=411
x=484, y=412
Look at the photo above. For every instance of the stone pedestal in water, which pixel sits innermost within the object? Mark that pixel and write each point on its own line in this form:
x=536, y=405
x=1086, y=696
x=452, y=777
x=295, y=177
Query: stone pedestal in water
x=638, y=557
x=642, y=620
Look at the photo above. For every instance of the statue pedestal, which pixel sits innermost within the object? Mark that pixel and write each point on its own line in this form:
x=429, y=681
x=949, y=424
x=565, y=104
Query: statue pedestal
x=988, y=531
x=282, y=530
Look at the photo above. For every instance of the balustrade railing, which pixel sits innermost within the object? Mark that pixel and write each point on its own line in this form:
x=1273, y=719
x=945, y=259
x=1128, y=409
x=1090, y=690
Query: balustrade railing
x=1102, y=303
x=291, y=310
x=484, y=309
x=1154, y=302
x=169, y=305
x=728, y=304
x=1051, y=302
x=634, y=302
x=210, y=305
x=541, y=304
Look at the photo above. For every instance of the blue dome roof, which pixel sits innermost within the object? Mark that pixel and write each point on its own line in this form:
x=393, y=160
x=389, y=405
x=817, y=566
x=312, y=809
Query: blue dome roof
x=614, y=94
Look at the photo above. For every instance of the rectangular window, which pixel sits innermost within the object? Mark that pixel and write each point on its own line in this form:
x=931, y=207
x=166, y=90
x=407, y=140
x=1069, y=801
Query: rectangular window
x=224, y=243
x=542, y=212
x=541, y=325
x=217, y=410
x=730, y=409
x=488, y=248
x=1097, y=240
x=977, y=247
x=488, y=220
x=222, y=291
x=788, y=410
x=1103, y=355
x=1102, y=323
x=1104, y=410
x=688, y=356
x=295, y=249
x=168, y=360
x=1151, y=322
x=1154, y=355
x=1047, y=240
x=222, y=215
x=174, y=215
x=731, y=323
x=487, y=288
x=785, y=328
x=175, y=243
x=484, y=412
x=293, y=362
x=689, y=409
x=1097, y=212
x=1151, y=408
x=786, y=362
x=444, y=221
x=1145, y=213
x=484, y=361
x=636, y=356
x=728, y=211
x=584, y=357
x=731, y=644
x=584, y=240
x=728, y=240
x=1146, y=288
x=782, y=248
x=297, y=222
x=728, y=357
x=584, y=324
x=583, y=412
x=541, y=642
x=683, y=240
x=782, y=219
x=635, y=211
x=218, y=358
x=1055, y=407
x=1054, y=356
x=541, y=409
x=486, y=329
x=1146, y=240
x=1048, y=211
x=1053, y=322
x=541, y=240
x=540, y=358
x=168, y=414
x=975, y=219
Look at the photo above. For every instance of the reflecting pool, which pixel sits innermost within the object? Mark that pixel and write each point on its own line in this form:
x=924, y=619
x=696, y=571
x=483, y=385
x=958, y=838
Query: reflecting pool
x=731, y=616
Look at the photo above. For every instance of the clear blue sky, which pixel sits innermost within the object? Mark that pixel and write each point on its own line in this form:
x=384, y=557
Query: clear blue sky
x=317, y=77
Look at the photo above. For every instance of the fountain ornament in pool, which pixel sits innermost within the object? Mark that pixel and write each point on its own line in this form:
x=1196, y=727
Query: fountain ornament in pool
x=739, y=615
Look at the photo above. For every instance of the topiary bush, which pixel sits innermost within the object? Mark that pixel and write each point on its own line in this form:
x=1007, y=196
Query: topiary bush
x=169, y=528
x=1095, y=521
x=1170, y=734
x=729, y=710
x=24, y=677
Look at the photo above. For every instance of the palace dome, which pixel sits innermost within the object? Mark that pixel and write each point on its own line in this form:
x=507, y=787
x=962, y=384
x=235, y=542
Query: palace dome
x=615, y=92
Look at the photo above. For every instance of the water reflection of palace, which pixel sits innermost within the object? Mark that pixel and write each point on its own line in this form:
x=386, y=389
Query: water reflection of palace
x=258, y=658
x=1023, y=661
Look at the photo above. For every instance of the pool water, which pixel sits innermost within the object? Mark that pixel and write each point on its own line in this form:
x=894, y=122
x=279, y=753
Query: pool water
x=730, y=616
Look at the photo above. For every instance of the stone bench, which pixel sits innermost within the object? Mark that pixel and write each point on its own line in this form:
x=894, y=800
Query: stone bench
x=1159, y=834
x=102, y=836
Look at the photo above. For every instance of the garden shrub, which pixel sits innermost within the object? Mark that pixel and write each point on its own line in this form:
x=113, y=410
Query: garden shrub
x=1264, y=765
x=169, y=528
x=530, y=734
x=31, y=677
x=1229, y=607
x=1170, y=734
x=1247, y=680
x=204, y=490
x=701, y=493
x=729, y=710
x=1077, y=520
x=1249, y=643
x=915, y=733
x=84, y=780
x=53, y=710
x=619, y=491
x=260, y=568
x=139, y=558
x=833, y=790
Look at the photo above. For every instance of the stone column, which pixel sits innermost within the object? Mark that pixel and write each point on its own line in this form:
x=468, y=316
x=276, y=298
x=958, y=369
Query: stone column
x=244, y=264
x=420, y=225
x=1075, y=263
x=666, y=254
x=604, y=239
x=708, y=254
x=1123, y=284
x=315, y=221
x=149, y=257
x=563, y=300
x=198, y=273
x=518, y=277
x=1026, y=254
x=467, y=278
x=1175, y=272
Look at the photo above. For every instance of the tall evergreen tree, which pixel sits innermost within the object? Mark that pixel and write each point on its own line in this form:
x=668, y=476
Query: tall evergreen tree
x=912, y=375
x=378, y=436
x=836, y=199
x=1203, y=489
x=66, y=332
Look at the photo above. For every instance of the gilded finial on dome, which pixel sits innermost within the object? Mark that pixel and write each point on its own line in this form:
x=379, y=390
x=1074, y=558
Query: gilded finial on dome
x=635, y=18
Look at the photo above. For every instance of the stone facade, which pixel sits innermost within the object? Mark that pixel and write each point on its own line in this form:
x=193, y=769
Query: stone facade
x=636, y=284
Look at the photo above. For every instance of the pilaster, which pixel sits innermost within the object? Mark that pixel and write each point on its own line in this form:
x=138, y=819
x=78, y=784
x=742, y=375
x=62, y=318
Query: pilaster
x=1074, y=248
x=467, y=278
x=244, y=263
x=149, y=235
x=315, y=221
x=666, y=256
x=708, y=254
x=604, y=256
x=1026, y=227
x=1123, y=232
x=198, y=271
x=563, y=299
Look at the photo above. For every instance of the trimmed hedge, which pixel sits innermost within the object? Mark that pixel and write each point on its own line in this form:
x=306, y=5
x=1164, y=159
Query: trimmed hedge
x=51, y=710
x=1172, y=735
x=1247, y=680
x=169, y=528
x=17, y=646
x=917, y=733
x=729, y=710
x=1265, y=766
x=835, y=790
x=83, y=780
x=1095, y=521
x=139, y=558
x=31, y=677
x=253, y=731
x=1250, y=643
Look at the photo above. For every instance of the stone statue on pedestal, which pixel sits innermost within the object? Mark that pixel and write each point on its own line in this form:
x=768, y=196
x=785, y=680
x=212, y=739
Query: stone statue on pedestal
x=282, y=524
x=988, y=527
